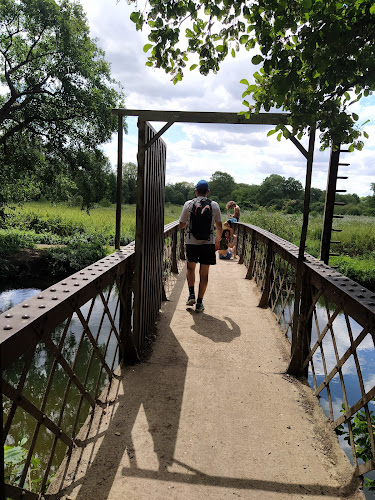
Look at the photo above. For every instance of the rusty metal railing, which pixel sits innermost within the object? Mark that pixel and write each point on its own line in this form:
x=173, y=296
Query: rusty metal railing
x=332, y=308
x=59, y=351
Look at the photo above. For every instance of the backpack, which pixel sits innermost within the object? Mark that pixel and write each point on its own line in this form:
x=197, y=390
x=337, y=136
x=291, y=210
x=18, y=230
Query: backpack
x=200, y=225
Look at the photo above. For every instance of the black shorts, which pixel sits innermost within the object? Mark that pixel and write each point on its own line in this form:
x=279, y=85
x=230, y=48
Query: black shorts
x=204, y=254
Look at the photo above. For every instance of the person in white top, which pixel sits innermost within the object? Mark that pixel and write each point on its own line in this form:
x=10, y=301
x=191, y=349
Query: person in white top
x=200, y=250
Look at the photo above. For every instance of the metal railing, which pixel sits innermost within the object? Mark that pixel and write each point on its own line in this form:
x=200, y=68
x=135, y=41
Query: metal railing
x=332, y=308
x=59, y=353
x=60, y=349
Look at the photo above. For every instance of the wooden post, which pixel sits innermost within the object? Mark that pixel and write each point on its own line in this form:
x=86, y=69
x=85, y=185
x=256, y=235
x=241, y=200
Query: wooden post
x=182, y=244
x=301, y=348
x=128, y=349
x=301, y=252
x=264, y=300
x=249, y=274
x=2, y=465
x=329, y=205
x=119, y=182
x=243, y=245
x=174, y=267
x=139, y=234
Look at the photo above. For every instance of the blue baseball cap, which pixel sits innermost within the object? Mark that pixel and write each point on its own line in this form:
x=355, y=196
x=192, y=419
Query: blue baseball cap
x=202, y=186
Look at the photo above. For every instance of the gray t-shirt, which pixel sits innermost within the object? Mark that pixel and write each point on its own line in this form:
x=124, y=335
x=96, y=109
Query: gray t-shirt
x=185, y=217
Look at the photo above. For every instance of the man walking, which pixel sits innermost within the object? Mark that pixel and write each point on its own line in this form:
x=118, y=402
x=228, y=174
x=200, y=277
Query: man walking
x=201, y=215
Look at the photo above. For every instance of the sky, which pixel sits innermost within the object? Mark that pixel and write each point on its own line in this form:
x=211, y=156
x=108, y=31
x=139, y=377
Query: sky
x=196, y=151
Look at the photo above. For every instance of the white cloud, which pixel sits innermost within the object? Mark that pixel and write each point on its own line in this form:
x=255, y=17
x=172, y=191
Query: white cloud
x=243, y=151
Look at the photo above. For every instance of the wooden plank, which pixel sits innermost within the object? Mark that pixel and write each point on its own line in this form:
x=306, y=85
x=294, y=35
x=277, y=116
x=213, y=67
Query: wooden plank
x=204, y=117
x=329, y=206
x=119, y=182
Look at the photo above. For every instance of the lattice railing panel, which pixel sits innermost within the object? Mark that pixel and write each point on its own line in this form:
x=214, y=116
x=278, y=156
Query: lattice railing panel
x=260, y=258
x=58, y=351
x=335, y=326
x=71, y=338
x=173, y=256
x=340, y=346
x=281, y=297
x=72, y=362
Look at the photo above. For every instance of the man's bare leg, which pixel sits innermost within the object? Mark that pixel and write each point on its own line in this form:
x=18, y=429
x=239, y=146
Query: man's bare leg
x=190, y=273
x=203, y=279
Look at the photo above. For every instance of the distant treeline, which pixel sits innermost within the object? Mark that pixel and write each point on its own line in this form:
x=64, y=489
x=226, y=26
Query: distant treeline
x=275, y=191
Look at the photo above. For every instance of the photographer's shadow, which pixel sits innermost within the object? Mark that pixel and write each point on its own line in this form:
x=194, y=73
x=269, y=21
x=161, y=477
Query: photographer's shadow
x=217, y=330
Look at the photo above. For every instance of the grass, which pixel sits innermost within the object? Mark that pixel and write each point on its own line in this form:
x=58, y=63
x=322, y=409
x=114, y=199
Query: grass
x=41, y=222
x=356, y=240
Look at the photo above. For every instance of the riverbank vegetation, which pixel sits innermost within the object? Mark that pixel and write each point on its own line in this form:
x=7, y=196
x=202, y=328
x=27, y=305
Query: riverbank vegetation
x=77, y=238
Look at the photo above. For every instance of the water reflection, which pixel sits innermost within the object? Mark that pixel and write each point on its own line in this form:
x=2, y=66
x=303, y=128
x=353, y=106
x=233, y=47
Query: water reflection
x=10, y=298
x=47, y=385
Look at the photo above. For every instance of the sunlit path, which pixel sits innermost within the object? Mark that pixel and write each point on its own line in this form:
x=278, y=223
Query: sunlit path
x=211, y=415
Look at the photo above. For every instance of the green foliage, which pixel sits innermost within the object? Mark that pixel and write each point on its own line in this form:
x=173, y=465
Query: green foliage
x=360, y=269
x=57, y=92
x=311, y=54
x=105, y=203
x=285, y=226
x=14, y=461
x=13, y=240
x=361, y=438
x=63, y=261
x=14, y=457
x=275, y=189
x=129, y=183
x=179, y=193
x=221, y=185
x=246, y=196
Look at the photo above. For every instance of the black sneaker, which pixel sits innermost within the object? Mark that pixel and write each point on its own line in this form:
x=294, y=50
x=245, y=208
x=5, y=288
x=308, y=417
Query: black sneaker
x=199, y=307
x=191, y=300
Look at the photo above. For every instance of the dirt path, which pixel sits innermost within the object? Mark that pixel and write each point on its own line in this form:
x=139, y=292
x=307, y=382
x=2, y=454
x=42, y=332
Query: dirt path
x=211, y=415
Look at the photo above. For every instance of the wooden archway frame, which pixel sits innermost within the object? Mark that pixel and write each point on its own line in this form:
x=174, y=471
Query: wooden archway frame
x=171, y=117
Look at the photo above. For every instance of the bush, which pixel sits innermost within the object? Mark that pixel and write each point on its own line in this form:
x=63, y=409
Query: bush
x=360, y=269
x=75, y=201
x=105, y=203
x=12, y=240
x=63, y=261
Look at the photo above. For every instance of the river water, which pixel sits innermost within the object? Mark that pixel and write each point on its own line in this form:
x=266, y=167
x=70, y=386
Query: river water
x=75, y=350
x=37, y=377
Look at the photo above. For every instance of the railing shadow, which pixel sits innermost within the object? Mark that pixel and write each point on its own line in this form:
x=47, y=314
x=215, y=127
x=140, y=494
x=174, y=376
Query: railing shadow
x=149, y=395
x=196, y=477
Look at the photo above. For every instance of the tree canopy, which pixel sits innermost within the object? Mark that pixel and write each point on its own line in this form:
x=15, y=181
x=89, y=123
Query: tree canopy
x=56, y=93
x=315, y=57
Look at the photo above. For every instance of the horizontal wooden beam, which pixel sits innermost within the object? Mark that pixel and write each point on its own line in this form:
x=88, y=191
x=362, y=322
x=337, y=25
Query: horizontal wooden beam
x=204, y=117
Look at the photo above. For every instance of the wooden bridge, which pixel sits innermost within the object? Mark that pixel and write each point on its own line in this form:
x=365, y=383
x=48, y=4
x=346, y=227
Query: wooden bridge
x=216, y=411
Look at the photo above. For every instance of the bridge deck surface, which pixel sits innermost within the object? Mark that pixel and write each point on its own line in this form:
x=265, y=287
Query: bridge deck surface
x=211, y=415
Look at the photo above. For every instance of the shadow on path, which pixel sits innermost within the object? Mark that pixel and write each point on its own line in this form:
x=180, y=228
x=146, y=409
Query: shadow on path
x=149, y=397
x=214, y=329
x=196, y=477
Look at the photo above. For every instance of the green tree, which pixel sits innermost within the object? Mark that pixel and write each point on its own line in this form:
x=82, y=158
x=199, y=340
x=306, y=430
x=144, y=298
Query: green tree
x=221, y=186
x=311, y=54
x=57, y=90
x=371, y=199
x=129, y=183
x=293, y=189
x=92, y=177
x=179, y=193
x=271, y=190
x=245, y=195
x=317, y=194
